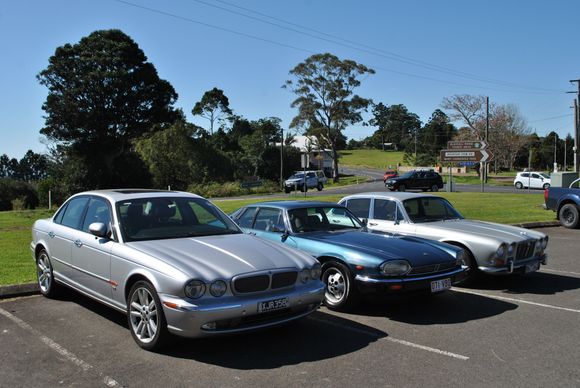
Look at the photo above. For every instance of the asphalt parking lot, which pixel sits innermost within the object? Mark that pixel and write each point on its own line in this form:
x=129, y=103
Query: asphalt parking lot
x=511, y=331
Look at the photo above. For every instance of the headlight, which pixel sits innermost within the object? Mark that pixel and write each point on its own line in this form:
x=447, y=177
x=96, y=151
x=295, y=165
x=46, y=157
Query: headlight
x=461, y=258
x=545, y=242
x=501, y=251
x=316, y=271
x=511, y=250
x=218, y=288
x=304, y=275
x=395, y=267
x=195, y=289
x=538, y=245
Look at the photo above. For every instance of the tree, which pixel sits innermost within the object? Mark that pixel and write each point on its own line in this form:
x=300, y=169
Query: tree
x=214, y=105
x=395, y=125
x=434, y=136
x=102, y=95
x=266, y=132
x=326, y=101
x=33, y=167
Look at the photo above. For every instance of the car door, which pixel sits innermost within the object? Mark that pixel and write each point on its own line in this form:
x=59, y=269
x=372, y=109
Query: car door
x=389, y=216
x=536, y=181
x=269, y=224
x=63, y=233
x=91, y=255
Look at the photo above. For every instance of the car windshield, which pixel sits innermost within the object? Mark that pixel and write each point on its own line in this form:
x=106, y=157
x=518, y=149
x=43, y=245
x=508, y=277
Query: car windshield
x=430, y=209
x=313, y=219
x=408, y=174
x=545, y=175
x=171, y=217
x=299, y=175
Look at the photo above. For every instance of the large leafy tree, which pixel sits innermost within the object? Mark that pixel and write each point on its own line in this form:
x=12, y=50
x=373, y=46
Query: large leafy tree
x=103, y=94
x=434, y=136
x=324, y=85
x=395, y=125
x=213, y=106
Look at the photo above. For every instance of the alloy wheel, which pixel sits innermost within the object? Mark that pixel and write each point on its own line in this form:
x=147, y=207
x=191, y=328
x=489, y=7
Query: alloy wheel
x=143, y=315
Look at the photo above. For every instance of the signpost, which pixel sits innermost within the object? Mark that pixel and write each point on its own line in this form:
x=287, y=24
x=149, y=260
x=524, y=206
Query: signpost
x=466, y=151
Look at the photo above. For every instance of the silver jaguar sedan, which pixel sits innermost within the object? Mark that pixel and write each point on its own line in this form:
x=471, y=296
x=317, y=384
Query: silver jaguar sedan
x=173, y=263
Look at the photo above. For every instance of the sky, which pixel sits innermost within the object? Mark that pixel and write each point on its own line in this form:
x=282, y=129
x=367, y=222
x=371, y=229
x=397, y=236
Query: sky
x=517, y=52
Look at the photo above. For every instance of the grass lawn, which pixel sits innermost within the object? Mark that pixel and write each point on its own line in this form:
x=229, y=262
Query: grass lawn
x=474, y=180
x=346, y=180
x=16, y=265
x=371, y=158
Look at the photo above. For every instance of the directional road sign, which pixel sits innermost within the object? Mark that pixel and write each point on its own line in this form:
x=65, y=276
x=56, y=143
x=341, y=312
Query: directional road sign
x=473, y=155
x=467, y=145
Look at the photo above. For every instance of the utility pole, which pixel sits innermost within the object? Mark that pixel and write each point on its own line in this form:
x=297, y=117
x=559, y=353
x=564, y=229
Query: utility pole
x=576, y=125
x=282, y=158
x=555, y=151
x=484, y=164
x=565, y=146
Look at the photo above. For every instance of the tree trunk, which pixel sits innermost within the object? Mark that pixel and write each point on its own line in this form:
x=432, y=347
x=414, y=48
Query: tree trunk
x=334, y=162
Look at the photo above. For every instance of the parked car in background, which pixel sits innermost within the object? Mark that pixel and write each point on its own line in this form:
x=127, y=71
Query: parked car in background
x=173, y=263
x=416, y=180
x=353, y=261
x=491, y=248
x=303, y=181
x=566, y=203
x=532, y=179
x=389, y=174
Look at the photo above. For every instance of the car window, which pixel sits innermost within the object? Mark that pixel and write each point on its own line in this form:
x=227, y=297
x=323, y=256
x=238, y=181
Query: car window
x=321, y=219
x=60, y=214
x=268, y=218
x=525, y=175
x=412, y=208
x=74, y=212
x=430, y=209
x=545, y=175
x=535, y=176
x=98, y=211
x=359, y=207
x=247, y=218
x=310, y=175
x=384, y=210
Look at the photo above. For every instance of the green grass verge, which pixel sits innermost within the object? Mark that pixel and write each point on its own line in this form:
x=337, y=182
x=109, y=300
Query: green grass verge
x=474, y=180
x=371, y=158
x=17, y=266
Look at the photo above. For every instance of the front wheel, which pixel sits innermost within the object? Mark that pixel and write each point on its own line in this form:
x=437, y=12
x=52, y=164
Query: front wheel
x=145, y=316
x=402, y=188
x=519, y=185
x=45, y=276
x=340, y=293
x=568, y=216
x=319, y=187
x=434, y=188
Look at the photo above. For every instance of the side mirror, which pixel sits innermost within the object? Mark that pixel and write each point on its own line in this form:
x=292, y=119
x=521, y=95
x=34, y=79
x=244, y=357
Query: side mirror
x=284, y=236
x=364, y=221
x=98, y=229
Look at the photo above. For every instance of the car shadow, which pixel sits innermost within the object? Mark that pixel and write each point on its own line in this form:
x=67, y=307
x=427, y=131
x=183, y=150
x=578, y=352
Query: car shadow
x=443, y=309
x=540, y=283
x=317, y=337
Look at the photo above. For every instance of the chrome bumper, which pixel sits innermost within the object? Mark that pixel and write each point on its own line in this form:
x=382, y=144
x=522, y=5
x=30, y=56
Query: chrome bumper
x=367, y=279
x=188, y=319
x=513, y=266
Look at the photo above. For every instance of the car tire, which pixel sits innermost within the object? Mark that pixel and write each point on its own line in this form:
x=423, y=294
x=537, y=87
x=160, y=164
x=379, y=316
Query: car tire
x=319, y=187
x=519, y=185
x=546, y=186
x=568, y=216
x=401, y=188
x=434, y=188
x=287, y=191
x=145, y=317
x=340, y=291
x=45, y=276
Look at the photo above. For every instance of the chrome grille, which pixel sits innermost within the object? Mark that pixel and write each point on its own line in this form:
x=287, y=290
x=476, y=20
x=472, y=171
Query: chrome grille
x=432, y=268
x=525, y=249
x=264, y=281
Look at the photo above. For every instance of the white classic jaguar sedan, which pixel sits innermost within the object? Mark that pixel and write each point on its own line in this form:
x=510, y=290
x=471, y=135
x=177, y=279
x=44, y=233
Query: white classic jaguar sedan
x=491, y=248
x=173, y=263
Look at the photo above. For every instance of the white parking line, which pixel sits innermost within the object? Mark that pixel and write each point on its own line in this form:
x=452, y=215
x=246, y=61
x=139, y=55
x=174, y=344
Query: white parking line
x=391, y=339
x=108, y=381
x=515, y=300
x=557, y=271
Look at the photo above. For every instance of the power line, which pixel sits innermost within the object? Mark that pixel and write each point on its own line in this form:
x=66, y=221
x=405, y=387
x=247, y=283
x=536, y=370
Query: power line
x=551, y=118
x=367, y=48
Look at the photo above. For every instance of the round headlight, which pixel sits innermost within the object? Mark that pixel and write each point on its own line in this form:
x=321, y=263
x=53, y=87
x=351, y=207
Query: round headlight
x=395, y=267
x=195, y=289
x=316, y=271
x=538, y=245
x=304, y=275
x=218, y=288
x=544, y=242
x=501, y=250
x=511, y=250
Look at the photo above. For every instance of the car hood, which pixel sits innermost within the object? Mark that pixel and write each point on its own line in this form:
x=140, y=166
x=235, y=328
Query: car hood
x=222, y=257
x=294, y=180
x=500, y=232
x=384, y=247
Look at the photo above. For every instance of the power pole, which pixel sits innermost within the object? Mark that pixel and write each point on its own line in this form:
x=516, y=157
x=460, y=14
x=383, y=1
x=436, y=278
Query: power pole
x=282, y=158
x=576, y=125
x=484, y=164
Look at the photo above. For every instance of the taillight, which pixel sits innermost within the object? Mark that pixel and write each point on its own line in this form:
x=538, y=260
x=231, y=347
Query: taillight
x=546, y=195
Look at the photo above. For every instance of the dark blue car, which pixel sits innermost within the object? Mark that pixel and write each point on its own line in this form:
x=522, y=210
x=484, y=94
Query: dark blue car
x=354, y=261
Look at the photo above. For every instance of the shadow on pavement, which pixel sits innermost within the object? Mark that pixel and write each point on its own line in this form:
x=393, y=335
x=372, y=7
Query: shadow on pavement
x=541, y=283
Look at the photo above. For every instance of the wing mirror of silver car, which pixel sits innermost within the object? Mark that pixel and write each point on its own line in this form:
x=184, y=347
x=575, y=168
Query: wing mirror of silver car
x=98, y=229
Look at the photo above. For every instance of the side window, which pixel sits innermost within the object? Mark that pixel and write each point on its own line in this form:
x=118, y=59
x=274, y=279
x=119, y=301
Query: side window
x=535, y=176
x=310, y=175
x=73, y=213
x=525, y=175
x=98, y=211
x=384, y=210
x=359, y=207
x=412, y=208
x=267, y=218
x=247, y=217
x=60, y=214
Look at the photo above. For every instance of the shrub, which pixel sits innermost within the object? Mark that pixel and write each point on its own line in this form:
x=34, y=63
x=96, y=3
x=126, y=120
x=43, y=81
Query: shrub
x=18, y=203
x=230, y=189
x=11, y=189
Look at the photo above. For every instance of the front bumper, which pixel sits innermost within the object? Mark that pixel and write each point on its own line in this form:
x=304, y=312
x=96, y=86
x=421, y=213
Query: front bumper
x=235, y=314
x=515, y=266
x=407, y=284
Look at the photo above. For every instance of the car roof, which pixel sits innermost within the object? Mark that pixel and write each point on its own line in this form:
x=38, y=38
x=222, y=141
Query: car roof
x=115, y=195
x=289, y=205
x=401, y=196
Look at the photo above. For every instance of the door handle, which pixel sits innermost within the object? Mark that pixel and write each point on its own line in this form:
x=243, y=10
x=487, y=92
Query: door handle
x=373, y=224
x=252, y=233
x=78, y=243
x=51, y=234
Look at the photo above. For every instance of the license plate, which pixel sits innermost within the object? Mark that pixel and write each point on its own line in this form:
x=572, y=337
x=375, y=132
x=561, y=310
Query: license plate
x=440, y=285
x=532, y=267
x=271, y=305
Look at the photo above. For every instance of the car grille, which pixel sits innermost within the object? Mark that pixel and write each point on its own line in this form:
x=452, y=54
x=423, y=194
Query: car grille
x=432, y=268
x=525, y=249
x=263, y=282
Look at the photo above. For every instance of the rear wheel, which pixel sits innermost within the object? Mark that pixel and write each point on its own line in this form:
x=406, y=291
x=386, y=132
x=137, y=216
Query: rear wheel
x=45, y=277
x=568, y=216
x=519, y=185
x=340, y=293
x=319, y=187
x=145, y=316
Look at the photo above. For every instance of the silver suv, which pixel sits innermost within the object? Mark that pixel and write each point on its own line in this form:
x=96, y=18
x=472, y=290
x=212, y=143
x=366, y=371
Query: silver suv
x=313, y=179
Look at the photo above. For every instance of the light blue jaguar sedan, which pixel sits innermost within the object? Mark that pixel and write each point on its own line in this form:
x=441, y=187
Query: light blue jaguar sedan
x=354, y=261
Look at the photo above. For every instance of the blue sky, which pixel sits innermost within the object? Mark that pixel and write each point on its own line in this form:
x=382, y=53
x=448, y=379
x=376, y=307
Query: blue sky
x=532, y=44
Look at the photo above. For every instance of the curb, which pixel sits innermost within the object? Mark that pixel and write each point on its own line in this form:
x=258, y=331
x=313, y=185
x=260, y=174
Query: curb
x=535, y=225
x=18, y=290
